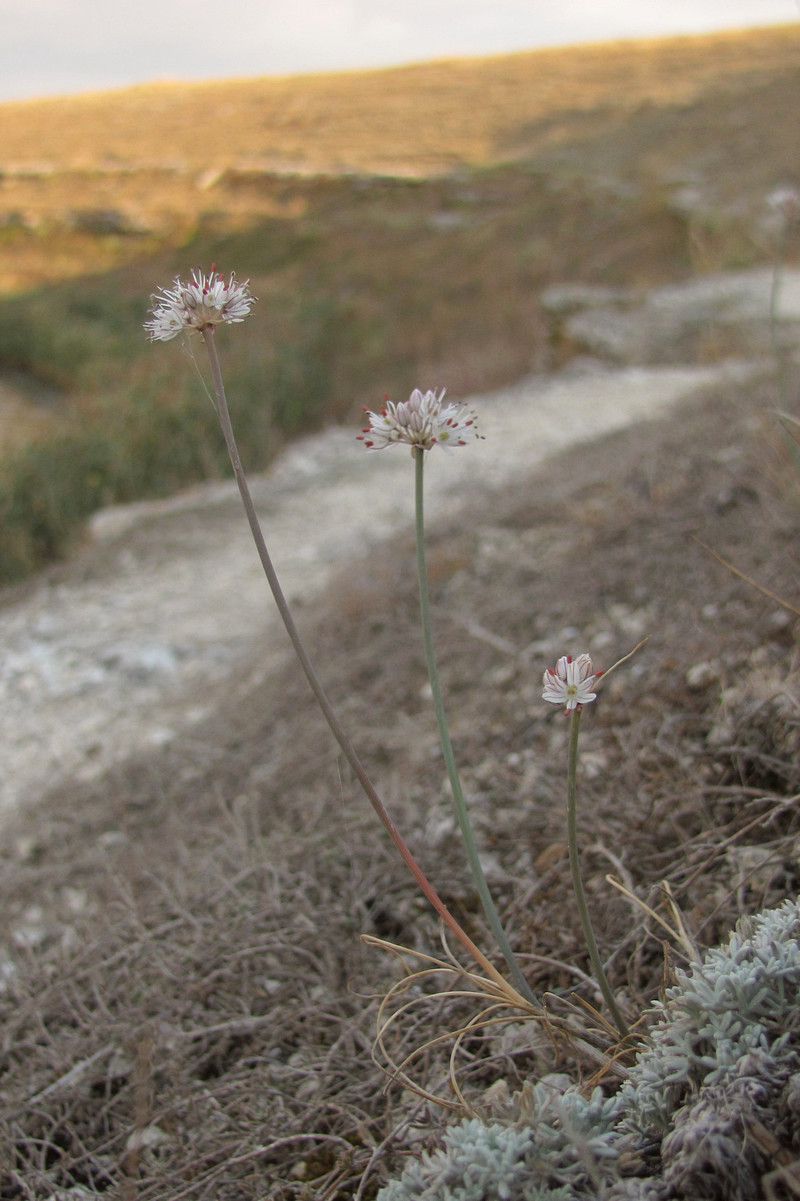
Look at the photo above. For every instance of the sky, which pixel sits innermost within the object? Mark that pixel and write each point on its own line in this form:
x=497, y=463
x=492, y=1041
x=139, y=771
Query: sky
x=52, y=47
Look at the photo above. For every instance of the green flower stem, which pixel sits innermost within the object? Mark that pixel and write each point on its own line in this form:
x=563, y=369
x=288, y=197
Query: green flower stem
x=447, y=749
x=779, y=356
x=316, y=687
x=577, y=882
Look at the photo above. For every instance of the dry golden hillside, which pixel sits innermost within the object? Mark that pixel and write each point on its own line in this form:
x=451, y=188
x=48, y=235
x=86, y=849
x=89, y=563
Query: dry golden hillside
x=416, y=119
x=93, y=181
x=398, y=225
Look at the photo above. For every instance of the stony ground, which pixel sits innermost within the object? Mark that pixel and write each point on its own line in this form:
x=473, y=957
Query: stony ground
x=188, y=1010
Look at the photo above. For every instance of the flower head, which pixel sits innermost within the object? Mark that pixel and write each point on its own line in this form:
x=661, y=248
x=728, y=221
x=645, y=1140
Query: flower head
x=421, y=422
x=570, y=682
x=205, y=300
x=785, y=201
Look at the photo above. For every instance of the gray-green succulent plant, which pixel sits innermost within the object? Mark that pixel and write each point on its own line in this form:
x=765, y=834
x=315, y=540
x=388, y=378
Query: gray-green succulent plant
x=712, y=1094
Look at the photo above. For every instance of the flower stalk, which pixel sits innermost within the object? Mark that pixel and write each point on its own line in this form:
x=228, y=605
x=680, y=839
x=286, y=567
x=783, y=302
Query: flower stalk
x=462, y=813
x=786, y=204
x=577, y=880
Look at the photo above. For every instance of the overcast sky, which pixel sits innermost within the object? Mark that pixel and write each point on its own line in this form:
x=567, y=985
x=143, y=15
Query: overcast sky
x=48, y=47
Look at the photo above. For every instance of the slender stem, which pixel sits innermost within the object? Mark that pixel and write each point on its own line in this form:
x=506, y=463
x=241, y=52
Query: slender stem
x=316, y=686
x=778, y=354
x=577, y=882
x=447, y=747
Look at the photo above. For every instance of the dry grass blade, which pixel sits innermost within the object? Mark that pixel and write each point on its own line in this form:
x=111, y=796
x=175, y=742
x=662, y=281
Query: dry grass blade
x=791, y=424
x=596, y=1045
x=678, y=933
x=481, y=989
x=749, y=579
x=490, y=988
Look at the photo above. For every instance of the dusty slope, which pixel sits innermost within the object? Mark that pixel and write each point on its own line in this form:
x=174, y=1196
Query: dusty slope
x=182, y=966
x=415, y=119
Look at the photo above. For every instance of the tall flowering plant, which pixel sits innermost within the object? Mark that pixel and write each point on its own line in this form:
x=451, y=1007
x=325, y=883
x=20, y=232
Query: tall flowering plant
x=571, y=683
x=198, y=306
x=422, y=422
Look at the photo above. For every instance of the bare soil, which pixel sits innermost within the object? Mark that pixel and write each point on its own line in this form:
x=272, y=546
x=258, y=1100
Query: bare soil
x=188, y=1010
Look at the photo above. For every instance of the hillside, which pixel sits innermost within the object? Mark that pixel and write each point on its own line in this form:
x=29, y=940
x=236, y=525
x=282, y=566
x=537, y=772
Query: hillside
x=416, y=119
x=187, y=1012
x=151, y=161
x=398, y=226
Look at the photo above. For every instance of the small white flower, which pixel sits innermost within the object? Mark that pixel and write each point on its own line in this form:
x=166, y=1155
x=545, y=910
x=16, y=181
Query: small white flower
x=570, y=682
x=421, y=422
x=205, y=300
x=785, y=201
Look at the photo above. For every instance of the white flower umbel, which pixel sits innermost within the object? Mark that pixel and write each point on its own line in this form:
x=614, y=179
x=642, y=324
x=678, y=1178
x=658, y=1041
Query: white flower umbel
x=206, y=300
x=785, y=201
x=422, y=421
x=570, y=682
